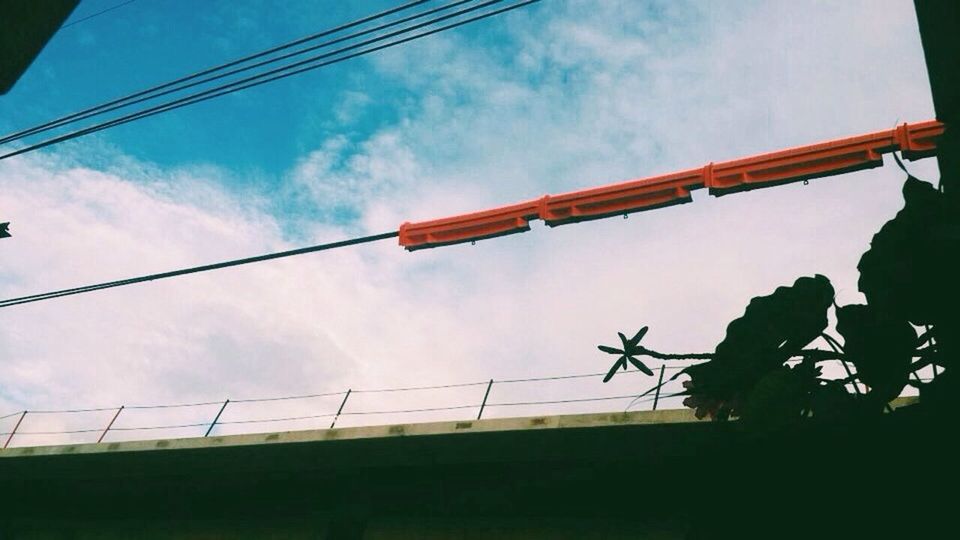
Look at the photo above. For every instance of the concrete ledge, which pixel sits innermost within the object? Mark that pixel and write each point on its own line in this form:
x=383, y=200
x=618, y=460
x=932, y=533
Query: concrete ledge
x=532, y=423
x=671, y=416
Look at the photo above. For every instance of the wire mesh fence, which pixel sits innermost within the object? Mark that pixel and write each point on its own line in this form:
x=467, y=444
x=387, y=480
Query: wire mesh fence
x=352, y=407
x=346, y=408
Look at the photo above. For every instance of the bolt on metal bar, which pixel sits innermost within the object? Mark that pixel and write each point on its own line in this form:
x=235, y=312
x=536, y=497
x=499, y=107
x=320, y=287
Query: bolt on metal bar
x=340, y=410
x=12, y=433
x=656, y=397
x=209, y=429
x=110, y=425
x=485, y=396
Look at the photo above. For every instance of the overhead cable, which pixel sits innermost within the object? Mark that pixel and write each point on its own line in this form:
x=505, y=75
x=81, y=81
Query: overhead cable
x=281, y=73
x=97, y=14
x=93, y=111
x=199, y=78
x=197, y=269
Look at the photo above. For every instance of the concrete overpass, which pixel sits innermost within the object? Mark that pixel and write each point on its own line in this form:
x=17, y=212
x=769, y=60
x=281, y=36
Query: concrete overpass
x=649, y=474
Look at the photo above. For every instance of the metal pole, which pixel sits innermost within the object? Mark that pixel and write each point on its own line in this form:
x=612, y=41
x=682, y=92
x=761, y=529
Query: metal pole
x=656, y=397
x=10, y=438
x=340, y=410
x=209, y=429
x=110, y=425
x=938, y=21
x=485, y=396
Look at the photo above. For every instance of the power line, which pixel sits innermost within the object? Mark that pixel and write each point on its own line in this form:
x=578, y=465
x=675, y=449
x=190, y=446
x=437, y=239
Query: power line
x=97, y=14
x=282, y=72
x=177, y=84
x=277, y=73
x=197, y=269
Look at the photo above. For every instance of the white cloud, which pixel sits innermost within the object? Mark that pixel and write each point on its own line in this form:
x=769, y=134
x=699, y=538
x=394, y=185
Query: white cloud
x=597, y=92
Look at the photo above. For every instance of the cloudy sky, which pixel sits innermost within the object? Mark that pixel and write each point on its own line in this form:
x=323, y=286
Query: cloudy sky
x=561, y=95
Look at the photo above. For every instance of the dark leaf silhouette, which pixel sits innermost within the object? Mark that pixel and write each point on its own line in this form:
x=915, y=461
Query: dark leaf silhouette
x=772, y=329
x=910, y=269
x=909, y=276
x=631, y=348
x=778, y=398
x=880, y=346
x=831, y=400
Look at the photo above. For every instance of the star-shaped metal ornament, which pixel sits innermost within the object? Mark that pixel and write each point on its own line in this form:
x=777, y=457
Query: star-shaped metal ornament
x=631, y=348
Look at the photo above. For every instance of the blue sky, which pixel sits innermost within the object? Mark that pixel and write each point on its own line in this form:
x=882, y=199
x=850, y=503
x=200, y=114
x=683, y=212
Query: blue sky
x=563, y=95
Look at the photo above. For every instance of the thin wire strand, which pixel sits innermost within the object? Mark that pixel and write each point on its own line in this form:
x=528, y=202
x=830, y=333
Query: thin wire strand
x=248, y=82
x=415, y=388
x=197, y=269
x=286, y=398
x=84, y=113
x=157, y=93
x=561, y=377
x=174, y=406
x=404, y=411
x=97, y=14
x=147, y=428
x=268, y=420
x=552, y=402
x=69, y=432
x=257, y=80
x=72, y=411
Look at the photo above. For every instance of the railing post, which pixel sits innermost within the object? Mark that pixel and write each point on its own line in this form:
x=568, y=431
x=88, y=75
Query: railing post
x=340, y=410
x=12, y=433
x=485, y=396
x=656, y=397
x=110, y=425
x=209, y=429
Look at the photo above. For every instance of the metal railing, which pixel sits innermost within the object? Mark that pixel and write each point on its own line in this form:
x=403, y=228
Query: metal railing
x=339, y=408
x=480, y=406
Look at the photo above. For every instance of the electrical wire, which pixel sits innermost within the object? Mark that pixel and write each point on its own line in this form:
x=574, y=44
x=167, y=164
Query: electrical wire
x=97, y=14
x=277, y=74
x=86, y=113
x=178, y=85
x=197, y=269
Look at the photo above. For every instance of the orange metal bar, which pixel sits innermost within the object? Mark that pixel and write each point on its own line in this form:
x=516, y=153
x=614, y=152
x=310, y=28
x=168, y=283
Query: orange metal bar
x=469, y=227
x=622, y=198
x=824, y=159
x=839, y=156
